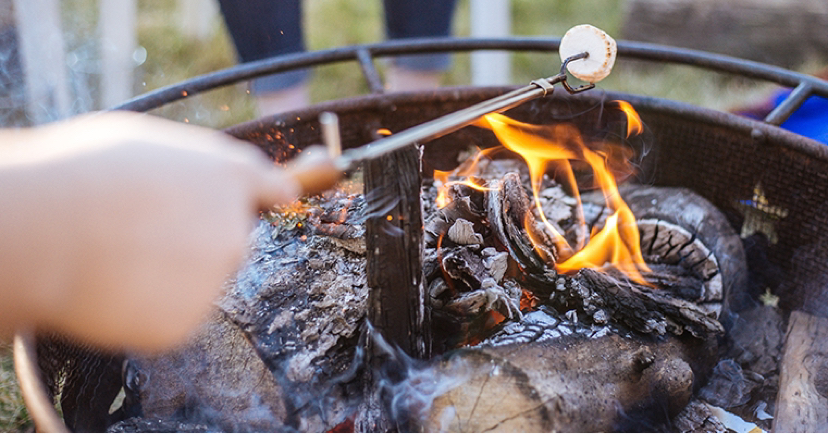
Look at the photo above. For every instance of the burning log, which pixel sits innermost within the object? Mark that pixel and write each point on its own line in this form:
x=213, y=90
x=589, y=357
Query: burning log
x=551, y=374
x=673, y=306
x=802, y=403
x=698, y=239
x=511, y=219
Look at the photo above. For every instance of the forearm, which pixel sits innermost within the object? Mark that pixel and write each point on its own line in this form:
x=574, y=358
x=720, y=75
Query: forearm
x=121, y=228
x=32, y=251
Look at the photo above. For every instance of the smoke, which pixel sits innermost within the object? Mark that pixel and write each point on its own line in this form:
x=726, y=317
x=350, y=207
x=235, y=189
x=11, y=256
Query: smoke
x=410, y=386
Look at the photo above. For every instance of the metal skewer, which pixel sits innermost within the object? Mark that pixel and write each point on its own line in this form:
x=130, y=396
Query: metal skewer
x=316, y=171
x=454, y=121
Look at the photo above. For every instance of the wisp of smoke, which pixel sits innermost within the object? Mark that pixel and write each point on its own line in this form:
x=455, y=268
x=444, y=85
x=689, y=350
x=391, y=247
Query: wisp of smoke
x=411, y=385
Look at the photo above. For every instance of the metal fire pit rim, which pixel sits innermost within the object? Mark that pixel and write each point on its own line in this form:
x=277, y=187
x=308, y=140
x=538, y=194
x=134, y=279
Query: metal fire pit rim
x=762, y=133
x=804, y=85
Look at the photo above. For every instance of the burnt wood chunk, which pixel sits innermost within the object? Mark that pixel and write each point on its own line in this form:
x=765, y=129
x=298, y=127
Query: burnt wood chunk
x=553, y=375
x=443, y=219
x=697, y=417
x=203, y=381
x=713, y=249
x=802, y=403
x=512, y=221
x=647, y=310
x=394, y=245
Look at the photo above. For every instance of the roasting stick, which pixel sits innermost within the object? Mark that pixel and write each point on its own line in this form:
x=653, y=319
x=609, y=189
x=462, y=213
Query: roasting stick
x=588, y=53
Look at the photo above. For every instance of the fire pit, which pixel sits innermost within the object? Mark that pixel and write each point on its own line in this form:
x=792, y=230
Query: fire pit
x=768, y=185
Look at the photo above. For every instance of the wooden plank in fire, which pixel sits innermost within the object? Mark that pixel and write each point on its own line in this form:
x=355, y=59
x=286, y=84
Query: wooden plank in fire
x=802, y=403
x=394, y=245
x=394, y=268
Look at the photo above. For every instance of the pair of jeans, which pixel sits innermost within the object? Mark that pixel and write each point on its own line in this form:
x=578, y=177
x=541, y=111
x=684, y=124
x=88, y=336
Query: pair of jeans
x=267, y=28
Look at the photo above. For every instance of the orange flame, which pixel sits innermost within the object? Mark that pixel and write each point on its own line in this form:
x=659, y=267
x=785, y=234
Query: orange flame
x=634, y=124
x=617, y=243
x=467, y=169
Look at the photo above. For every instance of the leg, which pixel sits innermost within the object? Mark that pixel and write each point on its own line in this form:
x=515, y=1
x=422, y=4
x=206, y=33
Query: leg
x=417, y=19
x=266, y=28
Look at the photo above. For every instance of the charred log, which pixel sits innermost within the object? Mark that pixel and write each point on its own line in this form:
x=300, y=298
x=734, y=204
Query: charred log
x=551, y=374
x=512, y=221
x=300, y=300
x=394, y=244
x=397, y=305
x=645, y=309
x=201, y=384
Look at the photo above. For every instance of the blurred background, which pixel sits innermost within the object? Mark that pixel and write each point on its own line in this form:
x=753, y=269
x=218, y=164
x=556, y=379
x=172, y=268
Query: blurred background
x=61, y=58
x=85, y=55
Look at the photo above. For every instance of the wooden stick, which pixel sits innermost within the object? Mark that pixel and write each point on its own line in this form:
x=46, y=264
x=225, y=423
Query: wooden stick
x=802, y=402
x=394, y=245
x=394, y=268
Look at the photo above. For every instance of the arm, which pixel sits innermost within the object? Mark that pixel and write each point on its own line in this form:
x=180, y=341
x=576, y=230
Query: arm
x=121, y=228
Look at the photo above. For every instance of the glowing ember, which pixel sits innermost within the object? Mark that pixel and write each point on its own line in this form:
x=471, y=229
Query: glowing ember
x=554, y=146
x=468, y=168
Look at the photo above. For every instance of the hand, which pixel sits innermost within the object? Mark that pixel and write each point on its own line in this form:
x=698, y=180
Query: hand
x=121, y=228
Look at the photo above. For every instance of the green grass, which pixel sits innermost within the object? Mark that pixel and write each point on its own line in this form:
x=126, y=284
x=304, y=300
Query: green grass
x=333, y=23
x=13, y=414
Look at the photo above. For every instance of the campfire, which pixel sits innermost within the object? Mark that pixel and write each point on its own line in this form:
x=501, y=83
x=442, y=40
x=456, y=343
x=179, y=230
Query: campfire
x=530, y=251
x=572, y=264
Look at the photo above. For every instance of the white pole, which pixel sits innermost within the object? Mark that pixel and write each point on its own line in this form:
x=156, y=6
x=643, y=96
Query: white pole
x=197, y=17
x=117, y=24
x=490, y=18
x=44, y=63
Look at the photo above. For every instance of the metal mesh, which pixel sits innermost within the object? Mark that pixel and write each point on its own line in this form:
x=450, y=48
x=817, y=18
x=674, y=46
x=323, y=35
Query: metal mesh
x=723, y=157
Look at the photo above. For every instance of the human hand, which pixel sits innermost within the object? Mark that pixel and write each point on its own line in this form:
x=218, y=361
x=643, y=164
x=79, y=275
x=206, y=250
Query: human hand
x=121, y=228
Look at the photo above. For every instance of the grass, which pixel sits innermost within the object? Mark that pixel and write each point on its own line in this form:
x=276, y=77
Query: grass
x=13, y=414
x=328, y=24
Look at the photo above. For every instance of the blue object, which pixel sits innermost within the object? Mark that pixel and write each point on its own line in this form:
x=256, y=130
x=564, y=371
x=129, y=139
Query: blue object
x=810, y=119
